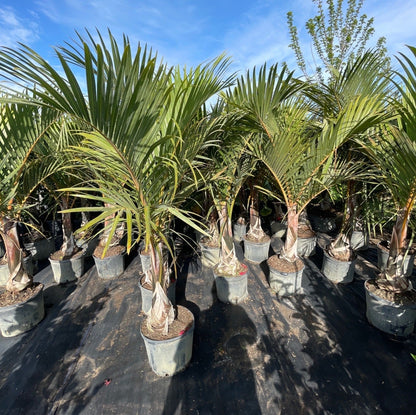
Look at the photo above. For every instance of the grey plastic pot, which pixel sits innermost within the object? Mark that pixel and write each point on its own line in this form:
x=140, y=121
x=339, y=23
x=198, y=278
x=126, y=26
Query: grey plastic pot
x=383, y=255
x=389, y=317
x=110, y=267
x=239, y=231
x=168, y=357
x=231, y=289
x=359, y=241
x=210, y=255
x=19, y=318
x=41, y=249
x=337, y=271
x=147, y=296
x=285, y=283
x=306, y=246
x=256, y=252
x=66, y=270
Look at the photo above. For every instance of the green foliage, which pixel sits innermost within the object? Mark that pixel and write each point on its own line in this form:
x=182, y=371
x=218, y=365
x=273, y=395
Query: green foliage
x=339, y=34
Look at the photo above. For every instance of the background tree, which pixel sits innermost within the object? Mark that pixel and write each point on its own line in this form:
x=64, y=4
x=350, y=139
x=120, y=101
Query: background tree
x=339, y=34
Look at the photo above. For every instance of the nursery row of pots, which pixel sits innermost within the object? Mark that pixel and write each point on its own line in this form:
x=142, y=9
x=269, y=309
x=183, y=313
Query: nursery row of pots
x=18, y=318
x=388, y=316
x=140, y=150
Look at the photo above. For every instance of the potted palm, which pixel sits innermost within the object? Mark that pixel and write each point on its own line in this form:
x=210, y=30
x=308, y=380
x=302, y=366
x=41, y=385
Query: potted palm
x=230, y=167
x=145, y=131
x=391, y=301
x=300, y=149
x=256, y=241
x=247, y=97
x=21, y=128
x=51, y=161
x=362, y=80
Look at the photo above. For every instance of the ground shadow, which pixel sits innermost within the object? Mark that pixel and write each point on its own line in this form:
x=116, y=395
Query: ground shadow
x=326, y=358
x=220, y=378
x=37, y=366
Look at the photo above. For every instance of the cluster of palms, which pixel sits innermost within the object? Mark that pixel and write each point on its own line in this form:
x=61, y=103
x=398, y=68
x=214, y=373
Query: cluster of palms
x=116, y=126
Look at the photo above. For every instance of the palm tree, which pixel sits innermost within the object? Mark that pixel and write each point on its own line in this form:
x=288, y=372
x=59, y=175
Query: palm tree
x=22, y=127
x=229, y=167
x=298, y=148
x=145, y=132
x=249, y=96
x=51, y=160
x=337, y=101
x=393, y=150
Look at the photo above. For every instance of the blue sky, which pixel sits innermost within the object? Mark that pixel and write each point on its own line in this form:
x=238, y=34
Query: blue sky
x=189, y=32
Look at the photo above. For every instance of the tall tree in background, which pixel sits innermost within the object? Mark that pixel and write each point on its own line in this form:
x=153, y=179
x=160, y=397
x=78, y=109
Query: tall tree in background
x=339, y=34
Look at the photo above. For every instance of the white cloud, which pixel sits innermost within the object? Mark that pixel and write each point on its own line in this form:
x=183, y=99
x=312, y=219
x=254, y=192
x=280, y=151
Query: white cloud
x=14, y=28
x=261, y=36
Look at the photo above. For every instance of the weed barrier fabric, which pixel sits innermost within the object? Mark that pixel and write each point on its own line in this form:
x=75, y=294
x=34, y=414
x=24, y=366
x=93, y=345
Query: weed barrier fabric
x=310, y=353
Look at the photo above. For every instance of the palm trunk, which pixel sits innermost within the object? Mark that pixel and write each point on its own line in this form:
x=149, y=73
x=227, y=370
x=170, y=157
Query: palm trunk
x=394, y=268
x=291, y=244
x=255, y=231
x=68, y=245
x=162, y=313
x=19, y=279
x=229, y=263
x=107, y=227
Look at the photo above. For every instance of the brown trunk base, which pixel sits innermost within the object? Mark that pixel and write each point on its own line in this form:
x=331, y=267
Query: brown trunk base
x=399, y=298
x=180, y=325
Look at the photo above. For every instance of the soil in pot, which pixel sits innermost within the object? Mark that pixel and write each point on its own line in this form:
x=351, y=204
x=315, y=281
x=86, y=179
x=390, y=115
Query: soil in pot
x=59, y=256
x=111, y=251
x=112, y=265
x=399, y=298
x=7, y=298
x=67, y=269
x=210, y=252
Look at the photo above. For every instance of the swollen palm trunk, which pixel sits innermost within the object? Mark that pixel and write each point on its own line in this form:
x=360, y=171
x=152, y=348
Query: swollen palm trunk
x=19, y=279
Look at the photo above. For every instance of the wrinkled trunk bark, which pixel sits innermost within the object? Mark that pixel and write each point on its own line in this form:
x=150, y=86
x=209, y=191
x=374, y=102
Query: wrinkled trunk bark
x=291, y=244
x=213, y=229
x=229, y=263
x=118, y=234
x=162, y=313
x=19, y=279
x=397, y=251
x=68, y=245
x=255, y=230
